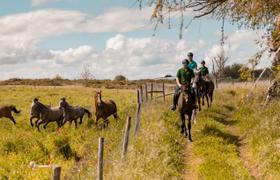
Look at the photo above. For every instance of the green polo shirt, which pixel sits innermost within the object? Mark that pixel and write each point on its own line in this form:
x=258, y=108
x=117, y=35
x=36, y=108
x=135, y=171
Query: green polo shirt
x=185, y=75
x=204, y=71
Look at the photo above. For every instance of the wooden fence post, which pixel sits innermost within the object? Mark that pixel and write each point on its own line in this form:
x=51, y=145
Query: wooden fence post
x=126, y=137
x=100, y=159
x=141, y=94
x=146, y=91
x=152, y=89
x=56, y=173
x=163, y=90
x=138, y=113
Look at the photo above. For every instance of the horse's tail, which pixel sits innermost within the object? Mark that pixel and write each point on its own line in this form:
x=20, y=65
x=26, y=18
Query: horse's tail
x=88, y=112
x=14, y=109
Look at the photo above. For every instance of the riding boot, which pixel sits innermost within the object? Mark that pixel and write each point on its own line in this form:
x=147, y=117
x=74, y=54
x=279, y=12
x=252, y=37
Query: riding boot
x=175, y=101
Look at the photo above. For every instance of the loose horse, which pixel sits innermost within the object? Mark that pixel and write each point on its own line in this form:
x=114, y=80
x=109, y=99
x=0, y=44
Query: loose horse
x=104, y=109
x=45, y=113
x=186, y=107
x=209, y=93
x=6, y=111
x=201, y=89
x=72, y=113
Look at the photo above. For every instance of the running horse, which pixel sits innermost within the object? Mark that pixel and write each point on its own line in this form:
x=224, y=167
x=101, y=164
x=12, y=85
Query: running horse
x=104, y=109
x=185, y=107
x=6, y=111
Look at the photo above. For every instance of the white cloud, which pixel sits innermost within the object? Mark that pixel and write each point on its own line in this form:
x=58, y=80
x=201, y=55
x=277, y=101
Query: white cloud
x=239, y=47
x=41, y=2
x=133, y=57
x=21, y=33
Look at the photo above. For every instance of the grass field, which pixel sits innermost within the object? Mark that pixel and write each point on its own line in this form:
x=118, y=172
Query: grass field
x=237, y=138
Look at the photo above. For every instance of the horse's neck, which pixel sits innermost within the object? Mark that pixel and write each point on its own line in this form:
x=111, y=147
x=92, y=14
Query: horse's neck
x=43, y=108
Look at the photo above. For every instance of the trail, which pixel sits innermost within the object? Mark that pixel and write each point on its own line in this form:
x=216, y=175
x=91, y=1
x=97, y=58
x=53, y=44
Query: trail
x=192, y=163
x=244, y=153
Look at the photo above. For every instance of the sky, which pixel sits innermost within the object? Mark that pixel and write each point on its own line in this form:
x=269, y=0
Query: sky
x=45, y=38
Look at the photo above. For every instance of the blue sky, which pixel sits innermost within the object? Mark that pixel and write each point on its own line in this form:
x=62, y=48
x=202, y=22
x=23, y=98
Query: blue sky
x=43, y=38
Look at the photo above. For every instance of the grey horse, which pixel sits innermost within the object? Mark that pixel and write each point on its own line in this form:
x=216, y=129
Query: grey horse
x=72, y=113
x=45, y=114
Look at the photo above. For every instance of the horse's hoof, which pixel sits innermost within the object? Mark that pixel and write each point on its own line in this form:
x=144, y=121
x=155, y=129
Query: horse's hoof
x=190, y=139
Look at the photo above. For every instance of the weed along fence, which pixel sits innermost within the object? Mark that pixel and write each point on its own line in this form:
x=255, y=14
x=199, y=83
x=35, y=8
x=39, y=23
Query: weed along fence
x=144, y=93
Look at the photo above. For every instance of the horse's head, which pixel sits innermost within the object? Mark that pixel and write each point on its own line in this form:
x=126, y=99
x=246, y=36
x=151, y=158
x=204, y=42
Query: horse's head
x=186, y=90
x=35, y=108
x=197, y=76
x=98, y=97
x=62, y=103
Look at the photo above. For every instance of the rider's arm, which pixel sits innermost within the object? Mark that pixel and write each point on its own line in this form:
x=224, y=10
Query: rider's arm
x=192, y=75
x=178, y=82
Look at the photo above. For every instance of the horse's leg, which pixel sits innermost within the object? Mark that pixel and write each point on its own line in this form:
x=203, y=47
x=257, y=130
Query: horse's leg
x=76, y=123
x=12, y=119
x=116, y=116
x=211, y=98
x=183, y=125
x=81, y=119
x=203, y=100
x=45, y=126
x=189, y=126
x=199, y=103
x=96, y=121
x=38, y=126
x=36, y=122
x=207, y=99
x=31, y=123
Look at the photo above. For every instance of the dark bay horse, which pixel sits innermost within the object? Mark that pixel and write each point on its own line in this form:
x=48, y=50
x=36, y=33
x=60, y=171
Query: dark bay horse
x=45, y=114
x=72, y=113
x=209, y=93
x=6, y=111
x=204, y=89
x=104, y=109
x=201, y=89
x=186, y=107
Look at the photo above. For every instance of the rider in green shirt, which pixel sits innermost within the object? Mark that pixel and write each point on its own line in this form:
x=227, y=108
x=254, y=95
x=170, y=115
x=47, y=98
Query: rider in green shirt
x=204, y=70
x=184, y=75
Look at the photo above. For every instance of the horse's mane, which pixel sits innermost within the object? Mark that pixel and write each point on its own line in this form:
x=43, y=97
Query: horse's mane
x=44, y=106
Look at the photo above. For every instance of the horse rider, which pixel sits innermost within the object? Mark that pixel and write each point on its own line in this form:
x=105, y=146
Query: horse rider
x=204, y=73
x=192, y=64
x=204, y=70
x=184, y=75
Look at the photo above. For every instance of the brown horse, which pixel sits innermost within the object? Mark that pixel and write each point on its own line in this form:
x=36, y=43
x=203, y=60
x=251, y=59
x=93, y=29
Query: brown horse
x=6, y=111
x=209, y=93
x=104, y=109
x=186, y=107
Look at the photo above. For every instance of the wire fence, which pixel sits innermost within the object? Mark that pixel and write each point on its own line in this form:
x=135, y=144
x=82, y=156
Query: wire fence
x=95, y=162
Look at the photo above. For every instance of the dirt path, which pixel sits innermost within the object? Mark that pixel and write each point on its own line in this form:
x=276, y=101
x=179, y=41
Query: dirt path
x=244, y=153
x=191, y=163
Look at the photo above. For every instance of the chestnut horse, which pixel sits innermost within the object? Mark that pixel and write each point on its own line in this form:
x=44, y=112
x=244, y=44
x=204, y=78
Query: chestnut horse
x=6, y=111
x=104, y=109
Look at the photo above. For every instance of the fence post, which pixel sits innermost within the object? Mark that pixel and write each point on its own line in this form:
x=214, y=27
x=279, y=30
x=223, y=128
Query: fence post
x=56, y=172
x=163, y=90
x=146, y=91
x=141, y=94
x=152, y=89
x=100, y=159
x=126, y=137
x=138, y=114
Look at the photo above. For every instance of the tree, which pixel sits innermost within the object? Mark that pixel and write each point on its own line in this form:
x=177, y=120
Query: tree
x=120, y=78
x=254, y=14
x=233, y=71
x=86, y=75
